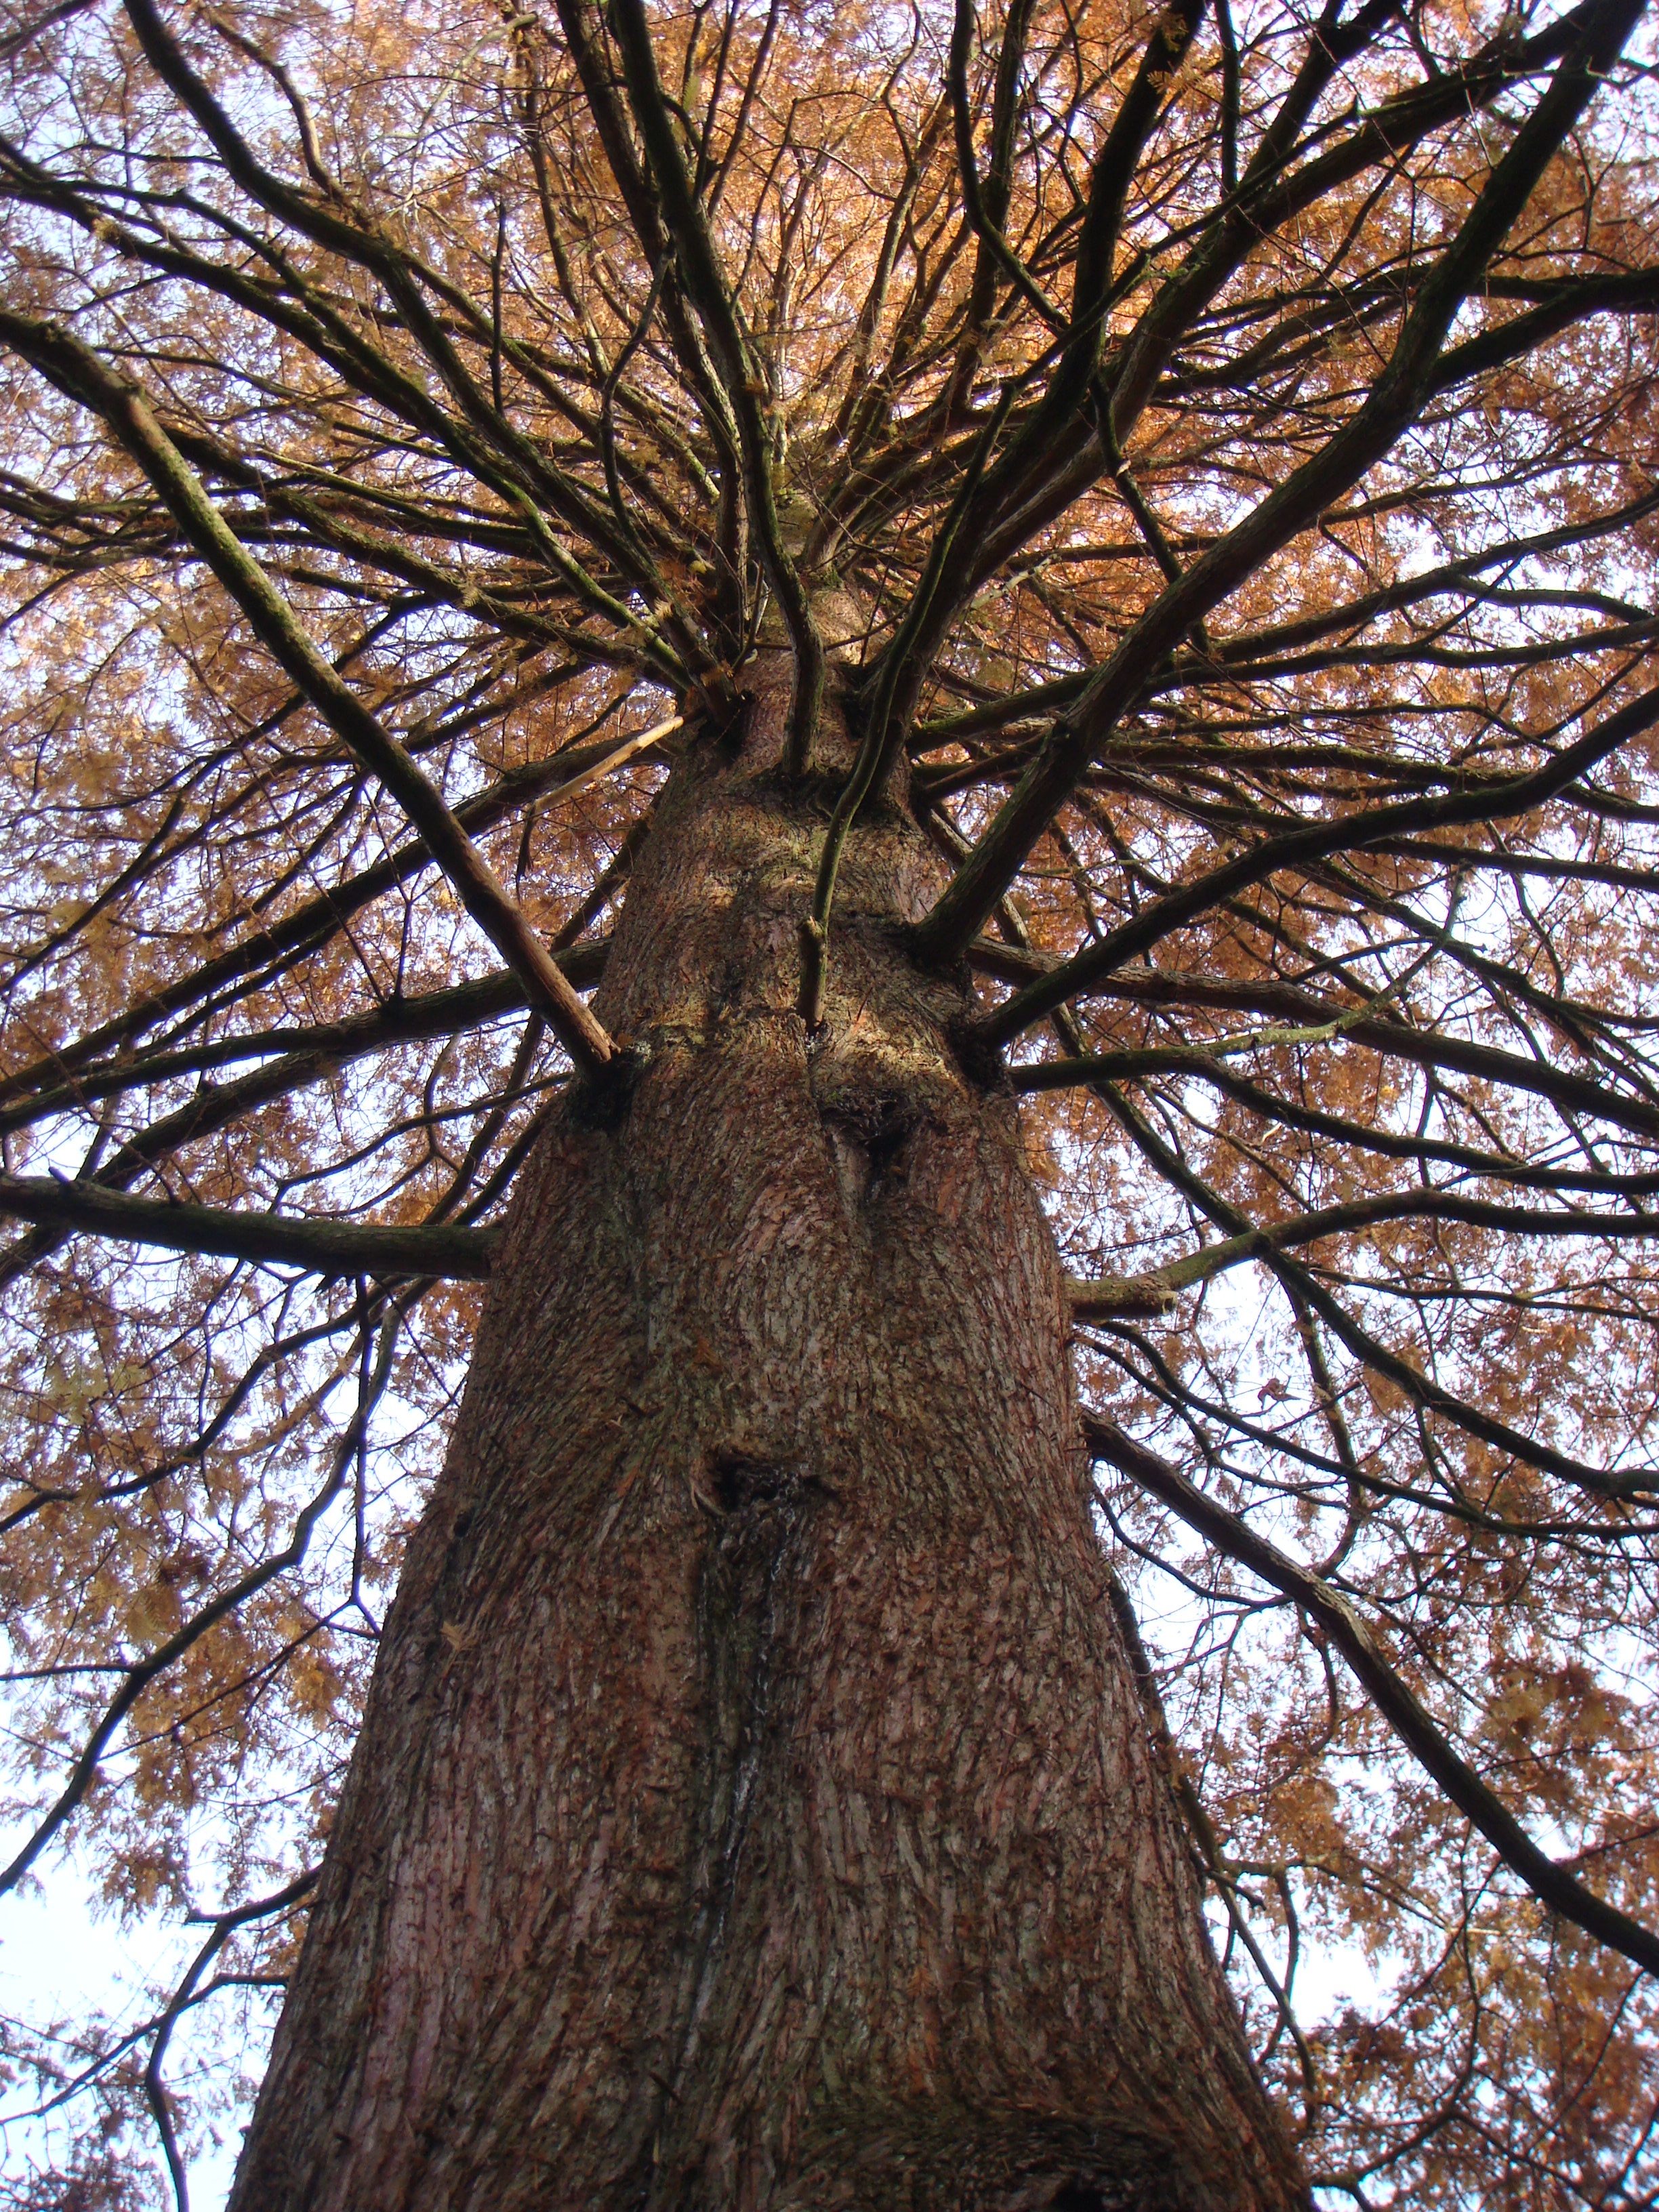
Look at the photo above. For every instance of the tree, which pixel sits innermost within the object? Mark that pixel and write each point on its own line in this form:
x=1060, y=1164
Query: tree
x=900, y=763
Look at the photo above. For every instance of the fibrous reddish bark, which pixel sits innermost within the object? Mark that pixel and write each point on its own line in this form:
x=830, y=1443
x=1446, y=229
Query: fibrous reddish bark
x=755, y=1809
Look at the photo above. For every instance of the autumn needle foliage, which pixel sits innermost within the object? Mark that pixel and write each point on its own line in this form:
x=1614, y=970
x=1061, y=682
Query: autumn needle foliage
x=1157, y=510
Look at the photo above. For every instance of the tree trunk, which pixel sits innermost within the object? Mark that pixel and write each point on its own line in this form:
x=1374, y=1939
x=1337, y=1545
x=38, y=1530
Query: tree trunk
x=754, y=1809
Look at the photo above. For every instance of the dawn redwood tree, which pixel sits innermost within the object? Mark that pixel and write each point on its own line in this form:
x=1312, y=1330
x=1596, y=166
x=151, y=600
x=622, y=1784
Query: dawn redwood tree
x=900, y=764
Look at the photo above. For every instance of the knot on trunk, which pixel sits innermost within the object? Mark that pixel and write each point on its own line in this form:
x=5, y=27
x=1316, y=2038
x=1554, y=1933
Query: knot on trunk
x=868, y=1136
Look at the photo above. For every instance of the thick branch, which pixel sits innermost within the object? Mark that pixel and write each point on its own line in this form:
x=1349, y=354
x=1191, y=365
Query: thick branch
x=1422, y=1389
x=1341, y=1622
x=77, y=371
x=1389, y=406
x=707, y=289
x=316, y=922
x=1154, y=1291
x=329, y=1248
x=1300, y=849
x=315, y=1053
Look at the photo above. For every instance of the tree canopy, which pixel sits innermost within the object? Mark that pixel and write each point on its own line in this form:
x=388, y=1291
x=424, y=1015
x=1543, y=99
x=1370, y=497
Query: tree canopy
x=1214, y=449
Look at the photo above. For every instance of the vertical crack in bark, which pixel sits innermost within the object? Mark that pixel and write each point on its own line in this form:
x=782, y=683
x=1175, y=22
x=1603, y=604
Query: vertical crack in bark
x=744, y=1594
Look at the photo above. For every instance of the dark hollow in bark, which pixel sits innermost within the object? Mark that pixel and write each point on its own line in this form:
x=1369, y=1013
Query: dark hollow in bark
x=754, y=1809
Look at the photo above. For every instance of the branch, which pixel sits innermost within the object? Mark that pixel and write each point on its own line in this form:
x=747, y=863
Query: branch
x=1299, y=849
x=1388, y=408
x=1342, y=1623
x=77, y=371
x=1422, y=1389
x=882, y=738
x=315, y=1052
x=984, y=206
x=1154, y=1292
x=333, y=224
x=706, y=288
x=144, y=1671
x=307, y=928
x=329, y=1248
x=1568, y=1092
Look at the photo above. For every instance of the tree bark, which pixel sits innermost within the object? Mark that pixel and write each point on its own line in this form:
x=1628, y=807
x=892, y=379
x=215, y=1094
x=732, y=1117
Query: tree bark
x=754, y=1809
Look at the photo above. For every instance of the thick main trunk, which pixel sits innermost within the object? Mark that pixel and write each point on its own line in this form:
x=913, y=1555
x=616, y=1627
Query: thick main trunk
x=754, y=1808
